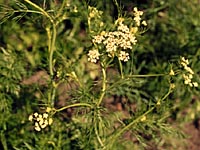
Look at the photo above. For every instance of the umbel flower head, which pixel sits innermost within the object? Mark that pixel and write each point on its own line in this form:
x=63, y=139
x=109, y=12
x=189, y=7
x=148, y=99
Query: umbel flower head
x=118, y=42
x=113, y=41
x=137, y=16
x=188, y=75
x=124, y=56
x=41, y=121
x=93, y=55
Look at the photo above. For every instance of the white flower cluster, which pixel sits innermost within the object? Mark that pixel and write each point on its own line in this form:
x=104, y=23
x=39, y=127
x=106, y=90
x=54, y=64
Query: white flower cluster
x=188, y=76
x=41, y=121
x=117, y=41
x=124, y=56
x=120, y=39
x=137, y=17
x=93, y=55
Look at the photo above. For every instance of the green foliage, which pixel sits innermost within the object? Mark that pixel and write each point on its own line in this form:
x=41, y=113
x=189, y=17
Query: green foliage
x=60, y=88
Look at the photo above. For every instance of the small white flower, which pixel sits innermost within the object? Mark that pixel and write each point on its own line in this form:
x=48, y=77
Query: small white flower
x=190, y=76
x=37, y=127
x=45, y=123
x=137, y=20
x=184, y=60
x=195, y=84
x=93, y=56
x=144, y=23
x=132, y=39
x=48, y=109
x=45, y=115
x=123, y=28
x=30, y=118
x=111, y=47
x=50, y=121
x=143, y=118
x=188, y=69
x=172, y=86
x=41, y=121
x=171, y=73
x=137, y=15
x=124, y=56
x=35, y=114
x=98, y=39
x=190, y=84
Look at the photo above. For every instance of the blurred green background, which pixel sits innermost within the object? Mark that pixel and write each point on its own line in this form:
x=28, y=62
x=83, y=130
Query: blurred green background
x=173, y=31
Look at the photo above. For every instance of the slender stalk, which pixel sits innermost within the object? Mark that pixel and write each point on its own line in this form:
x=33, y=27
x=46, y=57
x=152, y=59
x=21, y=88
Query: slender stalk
x=165, y=96
x=145, y=75
x=53, y=93
x=131, y=124
x=61, y=8
x=121, y=69
x=40, y=9
x=118, y=8
x=53, y=39
x=51, y=48
x=27, y=11
x=140, y=117
x=74, y=105
x=96, y=130
x=103, y=86
x=97, y=112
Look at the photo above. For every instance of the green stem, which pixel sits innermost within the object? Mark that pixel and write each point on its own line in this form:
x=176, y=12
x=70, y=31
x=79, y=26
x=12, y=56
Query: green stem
x=53, y=93
x=95, y=128
x=40, y=9
x=27, y=11
x=145, y=76
x=132, y=123
x=74, y=105
x=165, y=96
x=118, y=8
x=103, y=86
x=97, y=113
x=140, y=117
x=51, y=48
x=121, y=69
x=61, y=8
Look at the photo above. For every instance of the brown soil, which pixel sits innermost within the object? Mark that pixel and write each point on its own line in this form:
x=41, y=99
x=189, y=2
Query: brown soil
x=193, y=131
